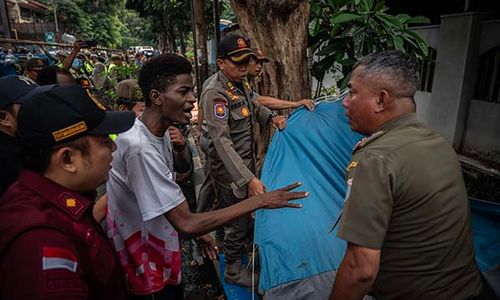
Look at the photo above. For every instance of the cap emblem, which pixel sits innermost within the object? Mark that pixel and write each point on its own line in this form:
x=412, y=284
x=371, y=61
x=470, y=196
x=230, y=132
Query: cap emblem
x=69, y=131
x=241, y=43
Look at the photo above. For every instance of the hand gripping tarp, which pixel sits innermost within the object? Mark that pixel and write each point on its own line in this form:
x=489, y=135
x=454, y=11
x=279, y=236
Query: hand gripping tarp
x=314, y=149
x=296, y=244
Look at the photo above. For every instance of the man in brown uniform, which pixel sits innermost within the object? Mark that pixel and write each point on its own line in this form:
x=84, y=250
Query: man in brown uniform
x=406, y=217
x=231, y=112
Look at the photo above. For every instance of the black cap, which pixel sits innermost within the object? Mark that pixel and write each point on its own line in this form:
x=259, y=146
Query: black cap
x=235, y=48
x=18, y=89
x=260, y=55
x=65, y=113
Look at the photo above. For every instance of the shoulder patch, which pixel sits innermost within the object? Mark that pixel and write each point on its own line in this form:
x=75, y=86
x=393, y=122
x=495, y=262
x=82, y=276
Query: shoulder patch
x=58, y=258
x=70, y=203
x=220, y=110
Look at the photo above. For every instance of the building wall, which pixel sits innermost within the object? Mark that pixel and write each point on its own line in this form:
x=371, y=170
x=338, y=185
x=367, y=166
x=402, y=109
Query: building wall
x=482, y=135
x=469, y=125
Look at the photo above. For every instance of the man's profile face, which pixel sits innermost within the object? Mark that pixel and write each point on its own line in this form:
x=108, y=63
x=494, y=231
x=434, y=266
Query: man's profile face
x=234, y=72
x=94, y=167
x=361, y=102
x=254, y=68
x=178, y=99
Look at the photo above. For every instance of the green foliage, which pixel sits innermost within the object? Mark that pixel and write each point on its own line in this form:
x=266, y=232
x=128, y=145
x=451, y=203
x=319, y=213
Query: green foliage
x=107, y=22
x=340, y=31
x=137, y=31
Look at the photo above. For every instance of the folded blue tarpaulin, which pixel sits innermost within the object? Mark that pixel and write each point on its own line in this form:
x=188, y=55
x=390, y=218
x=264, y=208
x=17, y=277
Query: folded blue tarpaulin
x=315, y=149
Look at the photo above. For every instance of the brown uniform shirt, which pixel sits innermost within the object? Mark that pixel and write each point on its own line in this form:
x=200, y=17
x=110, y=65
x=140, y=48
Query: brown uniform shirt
x=231, y=115
x=406, y=197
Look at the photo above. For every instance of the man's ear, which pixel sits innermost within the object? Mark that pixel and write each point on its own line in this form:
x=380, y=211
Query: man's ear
x=122, y=107
x=64, y=158
x=382, y=101
x=220, y=63
x=6, y=119
x=155, y=97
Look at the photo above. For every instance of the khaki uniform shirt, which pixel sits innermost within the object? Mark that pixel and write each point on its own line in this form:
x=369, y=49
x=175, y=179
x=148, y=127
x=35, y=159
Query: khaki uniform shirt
x=406, y=197
x=231, y=115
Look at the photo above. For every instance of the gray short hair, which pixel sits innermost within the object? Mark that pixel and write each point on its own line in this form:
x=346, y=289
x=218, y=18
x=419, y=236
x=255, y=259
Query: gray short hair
x=392, y=69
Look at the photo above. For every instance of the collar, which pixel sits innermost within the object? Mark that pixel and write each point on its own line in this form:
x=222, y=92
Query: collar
x=71, y=203
x=231, y=87
x=403, y=120
x=406, y=119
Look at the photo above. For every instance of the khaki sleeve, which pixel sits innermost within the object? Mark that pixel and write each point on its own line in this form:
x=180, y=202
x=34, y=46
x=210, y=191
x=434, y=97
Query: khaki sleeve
x=263, y=113
x=216, y=113
x=369, y=202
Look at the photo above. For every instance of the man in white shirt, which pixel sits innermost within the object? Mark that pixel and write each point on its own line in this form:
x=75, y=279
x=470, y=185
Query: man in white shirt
x=146, y=207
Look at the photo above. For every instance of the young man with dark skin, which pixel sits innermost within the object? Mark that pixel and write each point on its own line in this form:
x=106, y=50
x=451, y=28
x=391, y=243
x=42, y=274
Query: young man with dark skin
x=147, y=209
x=406, y=218
x=51, y=247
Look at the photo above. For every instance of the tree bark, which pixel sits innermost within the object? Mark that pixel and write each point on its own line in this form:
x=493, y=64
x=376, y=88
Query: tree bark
x=279, y=28
x=201, y=38
x=166, y=37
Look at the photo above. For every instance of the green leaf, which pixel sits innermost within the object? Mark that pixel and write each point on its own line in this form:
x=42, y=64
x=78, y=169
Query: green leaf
x=419, y=20
x=357, y=2
x=403, y=18
x=366, y=5
x=314, y=27
x=388, y=20
x=342, y=17
x=422, y=44
x=315, y=8
x=398, y=43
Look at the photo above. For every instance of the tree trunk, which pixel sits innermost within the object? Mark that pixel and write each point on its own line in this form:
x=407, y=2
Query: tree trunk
x=166, y=36
x=182, y=42
x=201, y=39
x=279, y=28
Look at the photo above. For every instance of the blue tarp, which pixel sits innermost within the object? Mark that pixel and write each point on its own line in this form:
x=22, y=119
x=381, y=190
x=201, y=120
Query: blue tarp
x=315, y=148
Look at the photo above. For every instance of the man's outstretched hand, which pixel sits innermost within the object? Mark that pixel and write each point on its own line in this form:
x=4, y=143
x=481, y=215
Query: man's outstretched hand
x=280, y=198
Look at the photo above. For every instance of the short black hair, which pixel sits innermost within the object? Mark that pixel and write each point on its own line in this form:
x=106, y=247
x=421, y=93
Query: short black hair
x=33, y=62
x=159, y=72
x=38, y=159
x=400, y=71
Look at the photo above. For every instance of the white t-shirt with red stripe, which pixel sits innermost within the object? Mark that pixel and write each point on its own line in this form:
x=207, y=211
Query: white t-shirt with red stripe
x=141, y=189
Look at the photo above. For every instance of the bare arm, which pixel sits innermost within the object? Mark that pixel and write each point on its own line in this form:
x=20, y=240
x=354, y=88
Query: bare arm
x=274, y=103
x=356, y=274
x=195, y=224
x=100, y=207
x=68, y=61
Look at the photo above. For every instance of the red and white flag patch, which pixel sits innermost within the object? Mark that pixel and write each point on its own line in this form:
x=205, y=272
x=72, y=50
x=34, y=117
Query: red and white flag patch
x=58, y=258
